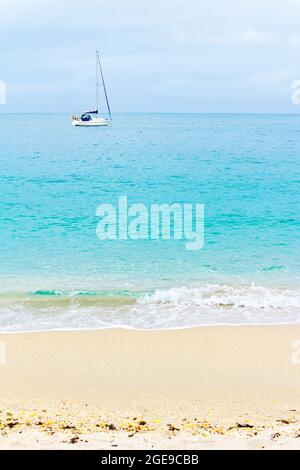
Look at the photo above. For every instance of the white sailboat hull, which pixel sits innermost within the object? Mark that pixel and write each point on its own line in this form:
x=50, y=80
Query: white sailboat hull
x=96, y=122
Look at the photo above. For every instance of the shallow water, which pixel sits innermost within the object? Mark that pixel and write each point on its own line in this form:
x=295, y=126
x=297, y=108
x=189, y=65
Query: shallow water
x=56, y=273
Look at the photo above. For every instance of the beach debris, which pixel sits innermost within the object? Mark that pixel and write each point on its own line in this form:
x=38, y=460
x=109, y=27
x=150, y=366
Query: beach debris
x=287, y=421
x=68, y=427
x=111, y=427
x=172, y=428
x=79, y=426
x=13, y=424
x=244, y=425
x=74, y=440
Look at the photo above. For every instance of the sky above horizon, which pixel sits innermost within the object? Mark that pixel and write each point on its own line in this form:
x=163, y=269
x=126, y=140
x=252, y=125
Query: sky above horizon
x=158, y=56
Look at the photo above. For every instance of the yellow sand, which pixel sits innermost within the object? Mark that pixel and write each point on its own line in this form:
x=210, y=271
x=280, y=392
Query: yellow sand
x=223, y=375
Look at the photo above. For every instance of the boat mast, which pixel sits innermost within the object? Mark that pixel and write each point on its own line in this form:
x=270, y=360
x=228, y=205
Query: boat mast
x=97, y=82
x=103, y=83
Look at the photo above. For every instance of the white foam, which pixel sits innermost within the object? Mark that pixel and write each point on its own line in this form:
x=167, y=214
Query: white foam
x=173, y=308
x=226, y=296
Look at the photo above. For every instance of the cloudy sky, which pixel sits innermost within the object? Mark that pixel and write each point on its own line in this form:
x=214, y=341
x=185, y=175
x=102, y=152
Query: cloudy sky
x=158, y=56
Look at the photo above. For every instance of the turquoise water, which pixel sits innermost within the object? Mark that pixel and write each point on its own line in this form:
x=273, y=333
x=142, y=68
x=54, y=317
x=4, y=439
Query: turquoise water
x=55, y=272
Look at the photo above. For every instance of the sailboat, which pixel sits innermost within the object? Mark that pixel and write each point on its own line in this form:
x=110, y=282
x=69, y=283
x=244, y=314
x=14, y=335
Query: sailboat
x=92, y=118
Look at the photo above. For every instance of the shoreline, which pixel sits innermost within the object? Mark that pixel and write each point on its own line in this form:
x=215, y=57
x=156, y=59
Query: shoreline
x=219, y=383
x=175, y=308
x=149, y=330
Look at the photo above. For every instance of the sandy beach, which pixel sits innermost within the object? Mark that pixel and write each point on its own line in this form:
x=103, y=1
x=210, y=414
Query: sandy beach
x=214, y=387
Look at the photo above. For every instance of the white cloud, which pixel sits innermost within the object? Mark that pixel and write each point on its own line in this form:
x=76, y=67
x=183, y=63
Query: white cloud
x=273, y=82
x=2, y=92
x=163, y=45
x=256, y=37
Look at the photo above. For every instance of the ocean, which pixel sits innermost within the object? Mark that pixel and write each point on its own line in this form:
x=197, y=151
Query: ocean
x=55, y=273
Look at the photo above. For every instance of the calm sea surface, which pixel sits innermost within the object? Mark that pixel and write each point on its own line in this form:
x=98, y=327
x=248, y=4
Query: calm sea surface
x=54, y=271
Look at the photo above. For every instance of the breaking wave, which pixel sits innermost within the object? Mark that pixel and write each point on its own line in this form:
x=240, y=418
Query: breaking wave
x=173, y=308
x=226, y=296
